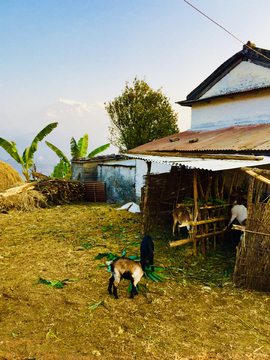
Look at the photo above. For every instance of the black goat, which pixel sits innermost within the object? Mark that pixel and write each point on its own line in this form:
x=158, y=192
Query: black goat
x=147, y=252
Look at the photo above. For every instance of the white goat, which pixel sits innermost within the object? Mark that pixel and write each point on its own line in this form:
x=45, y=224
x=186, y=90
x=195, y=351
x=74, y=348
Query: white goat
x=238, y=212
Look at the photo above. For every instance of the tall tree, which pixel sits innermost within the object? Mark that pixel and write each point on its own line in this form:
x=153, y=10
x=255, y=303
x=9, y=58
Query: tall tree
x=26, y=160
x=140, y=115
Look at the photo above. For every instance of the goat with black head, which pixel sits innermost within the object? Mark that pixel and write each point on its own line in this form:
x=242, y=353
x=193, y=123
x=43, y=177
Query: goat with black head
x=147, y=252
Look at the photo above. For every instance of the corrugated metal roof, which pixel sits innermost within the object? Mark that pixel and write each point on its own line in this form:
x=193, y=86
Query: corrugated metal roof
x=206, y=164
x=233, y=139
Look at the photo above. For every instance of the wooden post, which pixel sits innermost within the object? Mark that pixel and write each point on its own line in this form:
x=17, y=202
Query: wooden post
x=145, y=214
x=249, y=199
x=222, y=186
x=208, y=190
x=195, y=210
x=256, y=176
x=231, y=187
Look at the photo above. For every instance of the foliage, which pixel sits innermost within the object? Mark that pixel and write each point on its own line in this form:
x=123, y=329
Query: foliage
x=57, y=284
x=78, y=150
x=26, y=160
x=140, y=115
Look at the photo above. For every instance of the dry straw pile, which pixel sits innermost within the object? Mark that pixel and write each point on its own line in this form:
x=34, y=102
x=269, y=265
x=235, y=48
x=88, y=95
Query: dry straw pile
x=9, y=178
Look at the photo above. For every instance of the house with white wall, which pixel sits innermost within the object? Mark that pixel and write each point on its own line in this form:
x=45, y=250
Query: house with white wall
x=236, y=93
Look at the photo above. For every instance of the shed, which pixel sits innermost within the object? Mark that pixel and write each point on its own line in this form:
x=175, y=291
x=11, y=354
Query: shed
x=226, y=150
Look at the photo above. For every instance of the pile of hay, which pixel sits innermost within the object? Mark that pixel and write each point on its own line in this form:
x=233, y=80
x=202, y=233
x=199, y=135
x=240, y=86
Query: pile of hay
x=9, y=178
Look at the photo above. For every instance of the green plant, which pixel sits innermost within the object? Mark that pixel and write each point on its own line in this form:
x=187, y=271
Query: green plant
x=26, y=160
x=78, y=150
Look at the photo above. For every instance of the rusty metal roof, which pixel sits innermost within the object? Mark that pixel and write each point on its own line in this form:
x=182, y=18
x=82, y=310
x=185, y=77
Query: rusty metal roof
x=246, y=138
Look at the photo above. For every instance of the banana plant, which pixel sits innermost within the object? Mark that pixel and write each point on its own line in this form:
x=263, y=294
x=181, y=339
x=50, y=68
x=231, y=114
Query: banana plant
x=26, y=160
x=78, y=150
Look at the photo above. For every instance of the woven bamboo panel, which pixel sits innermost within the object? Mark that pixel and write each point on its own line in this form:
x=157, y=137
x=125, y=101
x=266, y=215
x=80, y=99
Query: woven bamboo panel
x=95, y=191
x=252, y=269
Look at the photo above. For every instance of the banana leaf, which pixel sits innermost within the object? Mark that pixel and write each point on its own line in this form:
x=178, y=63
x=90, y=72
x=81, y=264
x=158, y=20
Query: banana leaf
x=40, y=136
x=75, y=152
x=11, y=150
x=98, y=150
x=58, y=152
x=83, y=145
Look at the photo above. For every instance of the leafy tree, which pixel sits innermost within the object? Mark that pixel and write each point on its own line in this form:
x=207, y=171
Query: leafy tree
x=26, y=160
x=63, y=168
x=140, y=115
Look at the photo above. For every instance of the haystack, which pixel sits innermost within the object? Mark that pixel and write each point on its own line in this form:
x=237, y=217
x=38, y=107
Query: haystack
x=9, y=177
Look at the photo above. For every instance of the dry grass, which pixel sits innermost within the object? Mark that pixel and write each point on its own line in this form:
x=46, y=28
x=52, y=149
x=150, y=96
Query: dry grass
x=177, y=319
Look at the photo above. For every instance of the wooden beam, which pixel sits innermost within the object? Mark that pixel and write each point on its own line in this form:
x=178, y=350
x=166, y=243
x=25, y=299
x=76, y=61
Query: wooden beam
x=259, y=171
x=209, y=221
x=256, y=176
x=202, y=155
x=198, y=237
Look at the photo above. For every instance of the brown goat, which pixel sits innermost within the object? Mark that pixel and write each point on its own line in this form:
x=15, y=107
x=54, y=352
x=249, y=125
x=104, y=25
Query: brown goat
x=182, y=215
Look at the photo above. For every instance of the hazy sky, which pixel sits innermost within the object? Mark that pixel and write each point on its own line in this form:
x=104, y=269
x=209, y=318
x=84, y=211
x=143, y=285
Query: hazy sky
x=62, y=59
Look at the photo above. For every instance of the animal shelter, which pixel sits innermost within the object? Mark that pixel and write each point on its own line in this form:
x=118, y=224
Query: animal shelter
x=209, y=196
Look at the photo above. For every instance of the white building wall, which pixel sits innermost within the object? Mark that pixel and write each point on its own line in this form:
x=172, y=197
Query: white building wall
x=245, y=76
x=245, y=109
x=240, y=110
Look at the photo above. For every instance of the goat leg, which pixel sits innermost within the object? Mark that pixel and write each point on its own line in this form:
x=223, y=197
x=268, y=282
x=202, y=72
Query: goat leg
x=115, y=291
x=110, y=284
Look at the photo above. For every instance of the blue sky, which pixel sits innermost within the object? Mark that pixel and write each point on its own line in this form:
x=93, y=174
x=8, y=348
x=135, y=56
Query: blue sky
x=61, y=60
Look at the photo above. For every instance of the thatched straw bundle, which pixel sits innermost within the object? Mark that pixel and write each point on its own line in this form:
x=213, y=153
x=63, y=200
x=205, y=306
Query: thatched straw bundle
x=25, y=200
x=9, y=177
x=253, y=255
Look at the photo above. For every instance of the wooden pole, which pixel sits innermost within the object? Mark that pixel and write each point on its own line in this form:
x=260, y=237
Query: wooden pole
x=208, y=221
x=231, y=187
x=256, y=176
x=194, y=239
x=208, y=190
x=195, y=210
x=200, y=155
x=145, y=202
x=222, y=186
x=249, y=198
x=259, y=171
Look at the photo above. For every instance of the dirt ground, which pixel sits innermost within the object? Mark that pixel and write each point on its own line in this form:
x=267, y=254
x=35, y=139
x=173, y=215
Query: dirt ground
x=196, y=313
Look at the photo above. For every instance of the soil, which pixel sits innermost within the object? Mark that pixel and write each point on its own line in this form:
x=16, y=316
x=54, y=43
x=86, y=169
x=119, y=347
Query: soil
x=54, y=302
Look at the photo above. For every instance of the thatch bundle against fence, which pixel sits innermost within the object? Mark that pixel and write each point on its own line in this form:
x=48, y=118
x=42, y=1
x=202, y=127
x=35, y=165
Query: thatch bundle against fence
x=252, y=269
